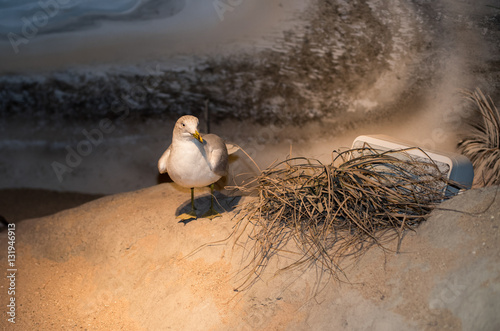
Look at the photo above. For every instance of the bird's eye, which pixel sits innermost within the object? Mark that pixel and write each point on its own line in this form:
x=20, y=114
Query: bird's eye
x=183, y=125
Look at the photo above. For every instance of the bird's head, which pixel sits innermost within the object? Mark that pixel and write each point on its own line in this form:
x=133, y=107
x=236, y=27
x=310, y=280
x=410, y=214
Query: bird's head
x=187, y=128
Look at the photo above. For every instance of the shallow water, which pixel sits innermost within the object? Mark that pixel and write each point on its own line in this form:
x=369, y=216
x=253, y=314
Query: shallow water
x=28, y=17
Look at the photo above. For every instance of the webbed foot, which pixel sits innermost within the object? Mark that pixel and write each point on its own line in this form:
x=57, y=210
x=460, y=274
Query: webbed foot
x=188, y=216
x=211, y=214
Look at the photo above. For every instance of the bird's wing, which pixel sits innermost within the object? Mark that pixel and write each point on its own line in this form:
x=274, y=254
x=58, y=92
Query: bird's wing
x=216, y=152
x=162, y=162
x=231, y=148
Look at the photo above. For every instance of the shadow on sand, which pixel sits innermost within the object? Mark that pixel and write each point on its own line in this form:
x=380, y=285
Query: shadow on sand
x=222, y=203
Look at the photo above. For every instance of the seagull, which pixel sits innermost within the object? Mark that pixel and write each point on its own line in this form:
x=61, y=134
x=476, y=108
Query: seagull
x=193, y=160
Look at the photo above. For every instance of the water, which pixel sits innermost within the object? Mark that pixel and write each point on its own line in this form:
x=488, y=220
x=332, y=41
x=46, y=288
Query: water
x=272, y=74
x=27, y=17
x=325, y=66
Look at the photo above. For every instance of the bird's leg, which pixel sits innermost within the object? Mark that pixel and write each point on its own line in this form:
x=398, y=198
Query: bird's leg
x=192, y=213
x=211, y=213
x=192, y=200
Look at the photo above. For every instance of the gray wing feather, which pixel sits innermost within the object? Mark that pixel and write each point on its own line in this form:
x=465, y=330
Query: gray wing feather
x=216, y=152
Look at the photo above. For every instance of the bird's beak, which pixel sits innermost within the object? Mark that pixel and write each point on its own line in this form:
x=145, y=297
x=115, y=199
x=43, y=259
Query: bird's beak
x=197, y=136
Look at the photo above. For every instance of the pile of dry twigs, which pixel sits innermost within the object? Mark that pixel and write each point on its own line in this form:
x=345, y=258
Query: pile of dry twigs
x=328, y=212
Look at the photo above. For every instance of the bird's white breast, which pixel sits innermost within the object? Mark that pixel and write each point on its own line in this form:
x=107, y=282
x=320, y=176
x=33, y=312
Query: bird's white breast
x=187, y=165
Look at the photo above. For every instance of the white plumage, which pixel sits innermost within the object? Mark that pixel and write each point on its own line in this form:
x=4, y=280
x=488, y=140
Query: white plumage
x=193, y=160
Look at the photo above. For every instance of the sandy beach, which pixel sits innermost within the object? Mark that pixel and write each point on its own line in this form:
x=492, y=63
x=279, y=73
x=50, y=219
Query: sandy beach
x=121, y=262
x=307, y=77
